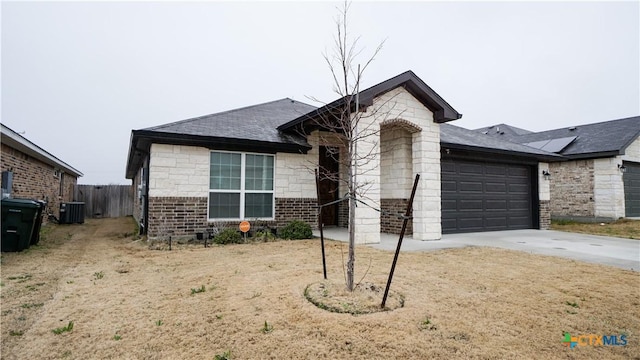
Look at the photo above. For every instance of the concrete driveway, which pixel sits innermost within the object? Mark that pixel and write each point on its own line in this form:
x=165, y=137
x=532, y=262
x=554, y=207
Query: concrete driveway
x=622, y=253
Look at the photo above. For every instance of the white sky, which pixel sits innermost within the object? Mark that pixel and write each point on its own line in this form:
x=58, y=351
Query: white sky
x=77, y=77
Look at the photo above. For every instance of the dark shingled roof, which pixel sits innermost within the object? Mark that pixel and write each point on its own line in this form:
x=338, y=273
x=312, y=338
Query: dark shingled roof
x=257, y=122
x=609, y=138
x=252, y=128
x=455, y=136
x=503, y=130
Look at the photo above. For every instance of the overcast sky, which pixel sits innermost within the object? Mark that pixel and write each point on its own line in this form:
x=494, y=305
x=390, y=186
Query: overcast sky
x=77, y=77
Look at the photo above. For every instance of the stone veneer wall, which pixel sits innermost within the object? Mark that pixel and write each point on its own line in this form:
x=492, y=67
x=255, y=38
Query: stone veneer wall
x=34, y=179
x=391, y=224
x=572, y=188
x=137, y=205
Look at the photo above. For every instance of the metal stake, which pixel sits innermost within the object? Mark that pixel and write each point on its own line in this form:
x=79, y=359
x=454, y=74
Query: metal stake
x=404, y=228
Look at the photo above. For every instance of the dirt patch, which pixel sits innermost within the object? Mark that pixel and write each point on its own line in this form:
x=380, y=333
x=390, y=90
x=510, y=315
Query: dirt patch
x=127, y=301
x=364, y=299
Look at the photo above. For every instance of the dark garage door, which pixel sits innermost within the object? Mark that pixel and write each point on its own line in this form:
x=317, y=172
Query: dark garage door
x=484, y=196
x=631, y=180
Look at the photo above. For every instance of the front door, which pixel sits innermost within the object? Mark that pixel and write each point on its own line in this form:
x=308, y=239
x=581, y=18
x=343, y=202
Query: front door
x=329, y=170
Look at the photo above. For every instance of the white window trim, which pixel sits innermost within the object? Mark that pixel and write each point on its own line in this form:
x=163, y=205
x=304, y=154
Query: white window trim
x=242, y=188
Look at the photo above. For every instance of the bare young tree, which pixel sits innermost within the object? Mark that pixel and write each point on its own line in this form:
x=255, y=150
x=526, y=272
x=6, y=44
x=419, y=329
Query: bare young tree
x=345, y=124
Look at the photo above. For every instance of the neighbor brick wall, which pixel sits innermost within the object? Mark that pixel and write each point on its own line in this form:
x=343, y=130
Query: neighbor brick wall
x=572, y=188
x=390, y=223
x=34, y=179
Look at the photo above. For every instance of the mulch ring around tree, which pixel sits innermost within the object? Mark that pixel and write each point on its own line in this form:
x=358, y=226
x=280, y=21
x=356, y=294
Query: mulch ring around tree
x=366, y=298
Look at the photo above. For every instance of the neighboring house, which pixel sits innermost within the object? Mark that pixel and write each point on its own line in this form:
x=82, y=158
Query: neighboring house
x=257, y=162
x=601, y=179
x=28, y=171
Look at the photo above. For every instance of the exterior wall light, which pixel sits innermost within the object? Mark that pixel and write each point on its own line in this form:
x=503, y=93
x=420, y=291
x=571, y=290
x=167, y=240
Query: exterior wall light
x=622, y=168
x=546, y=174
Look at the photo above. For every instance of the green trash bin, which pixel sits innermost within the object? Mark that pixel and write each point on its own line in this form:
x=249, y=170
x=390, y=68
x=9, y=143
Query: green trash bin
x=35, y=237
x=18, y=221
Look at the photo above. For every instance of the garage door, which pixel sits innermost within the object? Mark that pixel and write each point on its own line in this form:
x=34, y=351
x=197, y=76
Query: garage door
x=631, y=180
x=484, y=196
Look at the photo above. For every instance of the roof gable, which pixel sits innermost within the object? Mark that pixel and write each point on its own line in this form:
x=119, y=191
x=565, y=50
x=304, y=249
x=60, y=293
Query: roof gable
x=442, y=111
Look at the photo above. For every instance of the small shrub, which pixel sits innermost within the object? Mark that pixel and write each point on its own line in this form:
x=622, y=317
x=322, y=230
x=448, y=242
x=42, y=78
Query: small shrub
x=16, y=333
x=224, y=356
x=572, y=304
x=159, y=323
x=296, y=230
x=228, y=236
x=264, y=235
x=60, y=330
x=117, y=337
x=201, y=289
x=267, y=328
x=98, y=275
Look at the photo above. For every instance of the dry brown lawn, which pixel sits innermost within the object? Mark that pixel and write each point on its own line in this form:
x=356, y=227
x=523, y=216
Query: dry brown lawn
x=129, y=302
x=624, y=228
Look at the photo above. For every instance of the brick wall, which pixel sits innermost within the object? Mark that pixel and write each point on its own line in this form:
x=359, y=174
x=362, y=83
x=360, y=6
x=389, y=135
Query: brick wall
x=186, y=216
x=545, y=214
x=391, y=224
x=34, y=179
x=304, y=209
x=180, y=216
x=572, y=188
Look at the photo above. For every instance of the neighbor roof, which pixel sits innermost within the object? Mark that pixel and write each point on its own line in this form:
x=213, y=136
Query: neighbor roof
x=456, y=137
x=442, y=111
x=503, y=130
x=18, y=142
x=608, y=138
x=252, y=128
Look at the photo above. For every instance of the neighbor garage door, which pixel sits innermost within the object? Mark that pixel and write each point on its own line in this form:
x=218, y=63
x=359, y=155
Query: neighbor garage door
x=485, y=196
x=631, y=180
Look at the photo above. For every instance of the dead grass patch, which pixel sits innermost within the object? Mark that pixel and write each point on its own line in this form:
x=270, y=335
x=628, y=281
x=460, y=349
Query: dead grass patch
x=470, y=303
x=624, y=228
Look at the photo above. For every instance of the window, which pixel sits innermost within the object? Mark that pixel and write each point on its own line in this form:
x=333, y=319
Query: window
x=240, y=185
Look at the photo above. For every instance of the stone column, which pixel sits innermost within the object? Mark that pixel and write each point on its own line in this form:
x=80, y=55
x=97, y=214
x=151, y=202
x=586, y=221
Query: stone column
x=426, y=204
x=544, y=197
x=367, y=220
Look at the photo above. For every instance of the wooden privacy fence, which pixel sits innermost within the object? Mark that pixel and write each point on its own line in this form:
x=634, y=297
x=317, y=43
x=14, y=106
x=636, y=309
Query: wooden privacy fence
x=103, y=201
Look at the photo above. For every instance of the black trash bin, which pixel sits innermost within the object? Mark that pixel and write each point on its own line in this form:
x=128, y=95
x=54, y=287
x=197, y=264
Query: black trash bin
x=35, y=237
x=18, y=221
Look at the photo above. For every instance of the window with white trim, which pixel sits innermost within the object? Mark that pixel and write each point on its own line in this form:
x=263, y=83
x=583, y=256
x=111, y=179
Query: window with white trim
x=240, y=186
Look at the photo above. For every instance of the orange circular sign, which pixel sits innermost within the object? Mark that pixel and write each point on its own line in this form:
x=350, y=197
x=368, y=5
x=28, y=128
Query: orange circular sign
x=245, y=226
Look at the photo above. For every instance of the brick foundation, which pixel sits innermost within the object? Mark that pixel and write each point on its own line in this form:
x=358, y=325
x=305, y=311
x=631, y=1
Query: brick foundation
x=180, y=216
x=34, y=179
x=545, y=214
x=186, y=216
x=390, y=223
x=304, y=209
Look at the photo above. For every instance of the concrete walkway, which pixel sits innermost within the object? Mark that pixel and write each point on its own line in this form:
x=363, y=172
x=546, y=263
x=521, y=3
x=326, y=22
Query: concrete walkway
x=622, y=253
